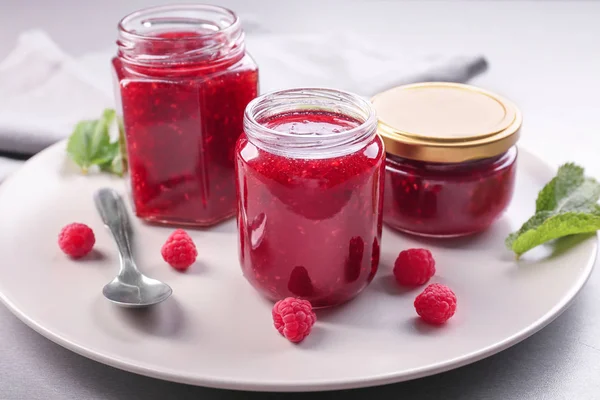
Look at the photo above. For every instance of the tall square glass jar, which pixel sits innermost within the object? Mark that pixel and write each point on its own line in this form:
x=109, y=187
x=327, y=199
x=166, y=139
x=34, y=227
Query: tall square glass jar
x=183, y=80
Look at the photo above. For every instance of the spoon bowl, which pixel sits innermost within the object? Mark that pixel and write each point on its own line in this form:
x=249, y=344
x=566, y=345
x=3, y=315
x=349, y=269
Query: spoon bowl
x=130, y=288
x=148, y=292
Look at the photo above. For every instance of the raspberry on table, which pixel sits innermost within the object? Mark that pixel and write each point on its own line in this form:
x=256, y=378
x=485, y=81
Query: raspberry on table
x=414, y=267
x=179, y=251
x=76, y=240
x=293, y=318
x=436, y=304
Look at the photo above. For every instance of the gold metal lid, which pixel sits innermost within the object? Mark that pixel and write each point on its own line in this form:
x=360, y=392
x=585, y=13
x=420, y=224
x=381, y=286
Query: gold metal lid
x=446, y=122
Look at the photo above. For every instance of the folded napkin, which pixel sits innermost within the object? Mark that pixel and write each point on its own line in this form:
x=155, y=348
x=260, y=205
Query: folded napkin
x=44, y=92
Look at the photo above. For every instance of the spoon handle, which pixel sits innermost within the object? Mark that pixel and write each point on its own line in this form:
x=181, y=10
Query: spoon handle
x=112, y=210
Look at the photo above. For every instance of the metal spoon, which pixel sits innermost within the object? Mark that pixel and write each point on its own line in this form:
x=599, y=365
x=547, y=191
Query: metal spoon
x=130, y=288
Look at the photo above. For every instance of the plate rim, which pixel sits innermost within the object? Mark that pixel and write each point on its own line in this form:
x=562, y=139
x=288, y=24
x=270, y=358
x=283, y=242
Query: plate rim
x=313, y=385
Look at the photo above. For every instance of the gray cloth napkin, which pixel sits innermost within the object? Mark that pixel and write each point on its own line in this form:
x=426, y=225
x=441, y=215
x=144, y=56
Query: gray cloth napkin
x=45, y=92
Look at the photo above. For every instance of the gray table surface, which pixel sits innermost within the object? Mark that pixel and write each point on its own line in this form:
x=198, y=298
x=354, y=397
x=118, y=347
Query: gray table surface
x=543, y=55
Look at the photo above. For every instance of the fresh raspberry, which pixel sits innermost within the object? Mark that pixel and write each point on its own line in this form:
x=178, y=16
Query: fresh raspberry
x=179, y=251
x=436, y=304
x=76, y=240
x=293, y=318
x=414, y=267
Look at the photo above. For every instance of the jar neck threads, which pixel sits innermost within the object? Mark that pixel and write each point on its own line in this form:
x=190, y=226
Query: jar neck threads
x=306, y=101
x=180, y=35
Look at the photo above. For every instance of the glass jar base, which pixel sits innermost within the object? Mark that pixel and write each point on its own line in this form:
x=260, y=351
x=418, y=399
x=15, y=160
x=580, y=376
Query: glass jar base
x=185, y=222
x=335, y=304
x=434, y=235
x=318, y=304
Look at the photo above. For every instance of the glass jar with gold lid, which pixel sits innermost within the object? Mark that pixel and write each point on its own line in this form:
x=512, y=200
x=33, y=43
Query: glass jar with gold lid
x=451, y=157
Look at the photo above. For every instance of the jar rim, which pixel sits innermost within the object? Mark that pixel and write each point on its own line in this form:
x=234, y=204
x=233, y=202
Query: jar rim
x=310, y=99
x=484, y=124
x=217, y=36
x=235, y=24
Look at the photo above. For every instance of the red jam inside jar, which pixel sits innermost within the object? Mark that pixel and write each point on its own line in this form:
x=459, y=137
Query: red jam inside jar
x=310, y=179
x=451, y=162
x=445, y=200
x=183, y=81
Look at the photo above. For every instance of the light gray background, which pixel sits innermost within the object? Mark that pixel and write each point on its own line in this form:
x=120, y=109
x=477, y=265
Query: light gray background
x=545, y=56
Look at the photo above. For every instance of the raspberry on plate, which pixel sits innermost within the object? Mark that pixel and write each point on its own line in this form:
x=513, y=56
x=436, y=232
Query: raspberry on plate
x=179, y=251
x=436, y=304
x=293, y=318
x=76, y=240
x=414, y=267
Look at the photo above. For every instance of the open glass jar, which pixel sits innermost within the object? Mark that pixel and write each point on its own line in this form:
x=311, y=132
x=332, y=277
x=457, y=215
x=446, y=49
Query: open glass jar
x=310, y=190
x=451, y=157
x=183, y=80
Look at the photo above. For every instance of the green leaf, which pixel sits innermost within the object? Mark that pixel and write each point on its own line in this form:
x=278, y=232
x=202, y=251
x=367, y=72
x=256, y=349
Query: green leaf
x=106, y=153
x=117, y=165
x=556, y=226
x=78, y=145
x=567, y=205
x=532, y=223
x=568, y=177
x=101, y=135
x=90, y=144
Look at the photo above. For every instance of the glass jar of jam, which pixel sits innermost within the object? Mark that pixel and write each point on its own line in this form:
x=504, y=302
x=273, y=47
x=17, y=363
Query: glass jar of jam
x=183, y=80
x=310, y=171
x=451, y=157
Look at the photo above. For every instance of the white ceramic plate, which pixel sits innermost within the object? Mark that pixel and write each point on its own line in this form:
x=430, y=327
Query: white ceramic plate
x=216, y=330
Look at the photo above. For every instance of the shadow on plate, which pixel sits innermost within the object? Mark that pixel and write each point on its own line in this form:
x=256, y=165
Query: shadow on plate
x=315, y=340
x=562, y=245
x=94, y=255
x=165, y=319
x=491, y=241
x=499, y=229
x=417, y=325
x=388, y=285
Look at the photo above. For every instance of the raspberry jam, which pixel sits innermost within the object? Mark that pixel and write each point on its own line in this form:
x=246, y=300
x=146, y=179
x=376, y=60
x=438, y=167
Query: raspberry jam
x=451, y=157
x=184, y=80
x=437, y=199
x=310, y=175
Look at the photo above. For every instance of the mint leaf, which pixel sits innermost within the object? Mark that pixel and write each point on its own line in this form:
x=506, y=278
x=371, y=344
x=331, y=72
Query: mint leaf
x=118, y=165
x=531, y=224
x=101, y=136
x=569, y=190
x=568, y=178
x=557, y=226
x=567, y=205
x=90, y=144
x=114, y=165
x=106, y=153
x=78, y=145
